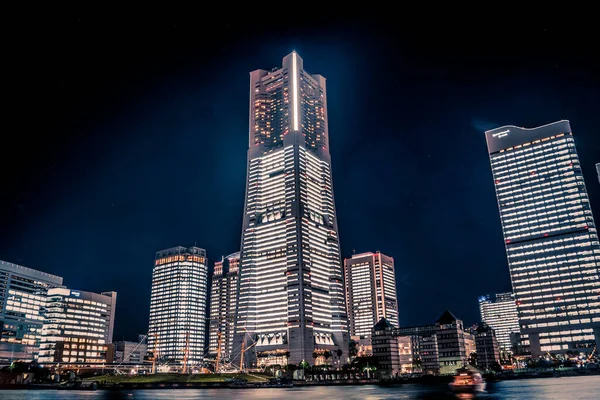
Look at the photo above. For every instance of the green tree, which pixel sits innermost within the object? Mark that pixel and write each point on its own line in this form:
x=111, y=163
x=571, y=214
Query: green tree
x=362, y=362
x=353, y=348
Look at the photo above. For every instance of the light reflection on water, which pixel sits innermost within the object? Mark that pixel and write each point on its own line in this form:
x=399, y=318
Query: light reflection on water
x=571, y=388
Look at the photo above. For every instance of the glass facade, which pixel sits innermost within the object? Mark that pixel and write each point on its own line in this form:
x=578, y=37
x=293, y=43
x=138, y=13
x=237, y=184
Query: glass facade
x=291, y=295
x=178, y=305
x=370, y=282
x=550, y=237
x=223, y=302
x=500, y=313
x=77, y=326
x=22, y=298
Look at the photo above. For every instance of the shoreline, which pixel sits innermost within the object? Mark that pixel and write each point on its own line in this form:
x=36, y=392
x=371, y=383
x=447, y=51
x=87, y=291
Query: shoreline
x=423, y=380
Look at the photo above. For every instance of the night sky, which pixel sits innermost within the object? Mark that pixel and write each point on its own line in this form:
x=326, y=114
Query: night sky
x=125, y=137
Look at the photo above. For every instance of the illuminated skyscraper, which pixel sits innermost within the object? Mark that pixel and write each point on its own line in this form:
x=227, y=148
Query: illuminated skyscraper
x=598, y=171
x=291, y=296
x=500, y=313
x=550, y=237
x=370, y=292
x=178, y=305
x=223, y=302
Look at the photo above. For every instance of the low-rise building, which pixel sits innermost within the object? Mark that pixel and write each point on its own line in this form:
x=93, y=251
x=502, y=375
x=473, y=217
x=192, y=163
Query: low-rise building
x=439, y=348
x=129, y=352
x=385, y=348
x=488, y=354
x=406, y=360
x=451, y=343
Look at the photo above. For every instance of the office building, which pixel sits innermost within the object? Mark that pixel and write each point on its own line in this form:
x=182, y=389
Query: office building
x=386, y=349
x=470, y=343
x=598, y=171
x=129, y=352
x=488, y=354
x=176, y=332
x=439, y=348
x=429, y=358
x=78, y=326
x=406, y=360
x=424, y=351
x=451, y=343
x=22, y=296
x=550, y=237
x=291, y=295
x=223, y=302
x=500, y=312
x=370, y=291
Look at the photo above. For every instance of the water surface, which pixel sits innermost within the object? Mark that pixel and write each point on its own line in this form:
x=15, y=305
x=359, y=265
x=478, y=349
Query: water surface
x=564, y=388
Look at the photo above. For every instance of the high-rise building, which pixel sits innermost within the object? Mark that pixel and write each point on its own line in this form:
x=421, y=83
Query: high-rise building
x=78, y=326
x=291, y=295
x=22, y=297
x=370, y=291
x=500, y=313
x=550, y=237
x=223, y=302
x=598, y=171
x=178, y=305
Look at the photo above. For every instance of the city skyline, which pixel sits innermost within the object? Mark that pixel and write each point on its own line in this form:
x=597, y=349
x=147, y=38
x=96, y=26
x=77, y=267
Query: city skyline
x=87, y=201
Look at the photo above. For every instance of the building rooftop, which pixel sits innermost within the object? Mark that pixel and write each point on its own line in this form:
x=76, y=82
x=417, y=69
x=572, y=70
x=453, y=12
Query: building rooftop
x=32, y=273
x=483, y=327
x=383, y=324
x=447, y=318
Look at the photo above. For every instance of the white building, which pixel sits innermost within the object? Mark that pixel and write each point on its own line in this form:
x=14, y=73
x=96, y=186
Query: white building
x=500, y=313
x=370, y=282
x=78, y=326
x=178, y=305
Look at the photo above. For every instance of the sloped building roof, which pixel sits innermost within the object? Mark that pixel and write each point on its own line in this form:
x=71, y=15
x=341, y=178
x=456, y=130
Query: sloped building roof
x=447, y=318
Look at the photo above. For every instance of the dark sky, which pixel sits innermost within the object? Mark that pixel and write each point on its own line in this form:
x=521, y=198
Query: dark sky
x=124, y=137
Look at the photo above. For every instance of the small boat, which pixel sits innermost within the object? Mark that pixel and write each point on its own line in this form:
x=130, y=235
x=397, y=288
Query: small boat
x=467, y=380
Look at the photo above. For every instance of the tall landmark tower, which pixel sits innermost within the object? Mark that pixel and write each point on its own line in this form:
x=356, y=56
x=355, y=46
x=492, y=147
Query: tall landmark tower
x=550, y=236
x=291, y=296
